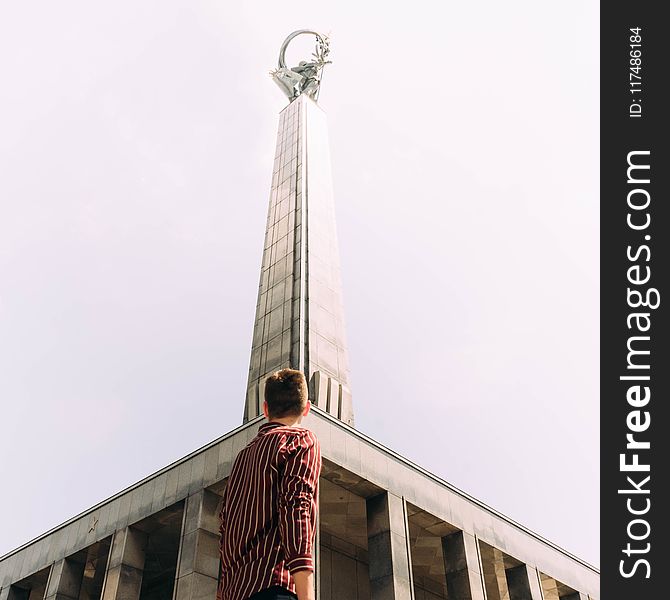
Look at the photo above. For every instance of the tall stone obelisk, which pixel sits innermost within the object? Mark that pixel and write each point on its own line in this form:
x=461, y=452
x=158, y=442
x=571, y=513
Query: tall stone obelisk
x=299, y=315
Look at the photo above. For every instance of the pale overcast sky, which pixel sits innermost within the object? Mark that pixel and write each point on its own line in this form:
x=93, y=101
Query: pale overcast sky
x=136, y=144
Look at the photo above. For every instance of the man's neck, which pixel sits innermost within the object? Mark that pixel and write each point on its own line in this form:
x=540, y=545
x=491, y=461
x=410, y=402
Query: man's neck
x=290, y=421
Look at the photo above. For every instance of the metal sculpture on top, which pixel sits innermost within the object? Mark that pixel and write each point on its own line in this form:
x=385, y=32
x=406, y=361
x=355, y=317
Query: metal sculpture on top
x=306, y=77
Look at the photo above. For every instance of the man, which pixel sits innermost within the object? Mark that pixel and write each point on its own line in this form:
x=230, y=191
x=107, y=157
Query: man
x=269, y=509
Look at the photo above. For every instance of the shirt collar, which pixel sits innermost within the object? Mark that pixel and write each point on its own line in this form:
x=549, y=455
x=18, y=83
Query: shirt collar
x=269, y=425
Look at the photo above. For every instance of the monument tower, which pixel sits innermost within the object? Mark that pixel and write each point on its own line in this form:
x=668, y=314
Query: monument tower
x=299, y=317
x=388, y=529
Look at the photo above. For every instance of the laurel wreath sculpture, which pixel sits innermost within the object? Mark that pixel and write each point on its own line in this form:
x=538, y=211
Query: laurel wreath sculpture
x=305, y=78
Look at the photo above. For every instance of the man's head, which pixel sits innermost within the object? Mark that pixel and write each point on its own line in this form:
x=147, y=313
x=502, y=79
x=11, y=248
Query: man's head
x=286, y=395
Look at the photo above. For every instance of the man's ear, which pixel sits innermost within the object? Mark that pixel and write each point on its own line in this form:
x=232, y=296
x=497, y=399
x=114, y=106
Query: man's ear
x=309, y=405
x=265, y=409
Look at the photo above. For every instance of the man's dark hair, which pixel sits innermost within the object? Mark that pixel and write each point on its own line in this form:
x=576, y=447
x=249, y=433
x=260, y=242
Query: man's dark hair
x=286, y=393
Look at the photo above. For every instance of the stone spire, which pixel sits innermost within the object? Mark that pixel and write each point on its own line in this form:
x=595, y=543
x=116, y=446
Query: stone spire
x=299, y=316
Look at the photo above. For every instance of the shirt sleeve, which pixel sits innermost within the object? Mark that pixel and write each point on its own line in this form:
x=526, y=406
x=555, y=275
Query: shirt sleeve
x=298, y=494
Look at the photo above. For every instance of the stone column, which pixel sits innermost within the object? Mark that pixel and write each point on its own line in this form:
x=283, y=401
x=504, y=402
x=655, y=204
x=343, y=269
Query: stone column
x=198, y=563
x=388, y=548
x=65, y=580
x=125, y=567
x=524, y=583
x=462, y=567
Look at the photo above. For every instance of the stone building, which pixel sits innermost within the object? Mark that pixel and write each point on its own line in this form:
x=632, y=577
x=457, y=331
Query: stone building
x=388, y=529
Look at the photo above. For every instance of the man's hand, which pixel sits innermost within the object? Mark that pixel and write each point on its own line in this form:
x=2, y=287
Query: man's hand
x=304, y=584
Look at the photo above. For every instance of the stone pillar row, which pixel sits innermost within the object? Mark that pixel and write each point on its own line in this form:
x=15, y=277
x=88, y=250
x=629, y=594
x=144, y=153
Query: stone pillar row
x=473, y=571
x=197, y=564
x=390, y=561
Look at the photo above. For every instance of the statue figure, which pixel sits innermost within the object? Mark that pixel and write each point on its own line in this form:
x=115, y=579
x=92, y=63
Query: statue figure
x=306, y=77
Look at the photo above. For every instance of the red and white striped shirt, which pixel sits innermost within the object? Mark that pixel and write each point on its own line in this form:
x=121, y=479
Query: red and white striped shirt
x=268, y=519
